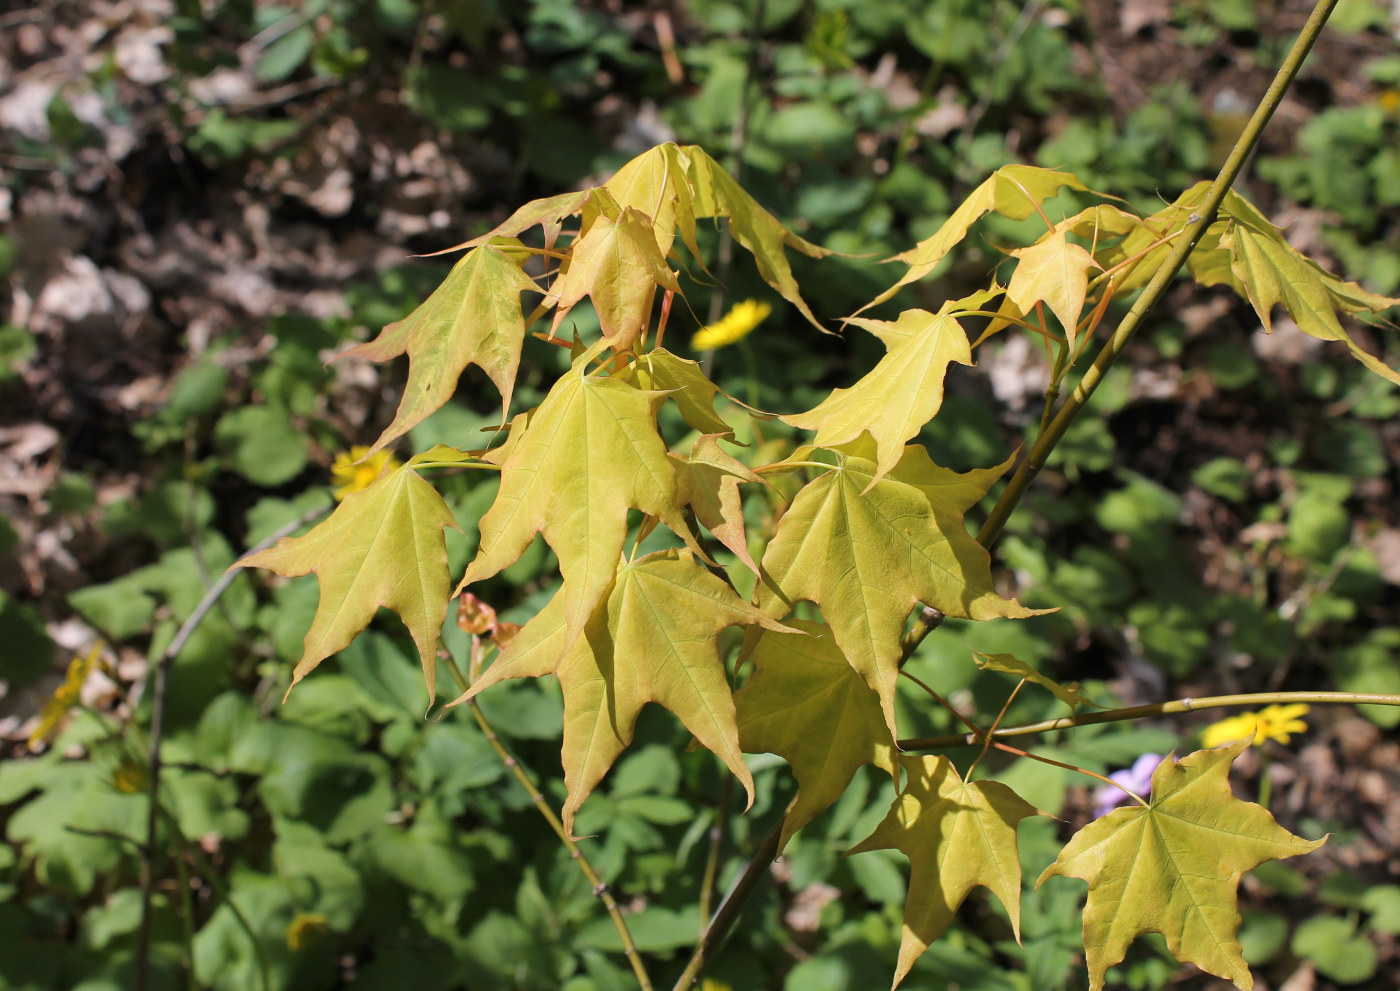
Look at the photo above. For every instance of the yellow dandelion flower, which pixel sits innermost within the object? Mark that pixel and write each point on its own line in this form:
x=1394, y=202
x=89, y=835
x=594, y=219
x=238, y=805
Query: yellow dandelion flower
x=1274, y=722
x=737, y=323
x=1280, y=722
x=351, y=476
x=65, y=697
x=1228, y=731
x=1389, y=100
x=305, y=929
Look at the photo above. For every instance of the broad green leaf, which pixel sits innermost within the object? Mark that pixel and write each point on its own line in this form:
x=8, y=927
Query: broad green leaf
x=806, y=704
x=473, y=318
x=652, y=639
x=1014, y=666
x=619, y=265
x=956, y=835
x=570, y=470
x=1273, y=272
x=383, y=546
x=868, y=549
x=689, y=389
x=1052, y=271
x=899, y=395
x=1013, y=191
x=1174, y=867
x=708, y=482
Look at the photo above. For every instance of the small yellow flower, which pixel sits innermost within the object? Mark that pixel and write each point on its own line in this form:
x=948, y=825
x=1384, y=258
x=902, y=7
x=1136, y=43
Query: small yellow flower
x=1280, y=722
x=65, y=696
x=352, y=477
x=1274, y=722
x=305, y=929
x=737, y=323
x=1389, y=100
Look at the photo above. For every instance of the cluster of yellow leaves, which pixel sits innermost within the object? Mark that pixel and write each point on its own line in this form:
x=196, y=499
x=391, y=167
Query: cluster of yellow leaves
x=875, y=530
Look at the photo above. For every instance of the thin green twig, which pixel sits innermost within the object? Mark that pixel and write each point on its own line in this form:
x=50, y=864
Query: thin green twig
x=599, y=886
x=733, y=905
x=716, y=842
x=1155, y=709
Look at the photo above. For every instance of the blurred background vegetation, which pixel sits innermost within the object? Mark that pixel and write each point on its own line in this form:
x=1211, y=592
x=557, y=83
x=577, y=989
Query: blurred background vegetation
x=202, y=201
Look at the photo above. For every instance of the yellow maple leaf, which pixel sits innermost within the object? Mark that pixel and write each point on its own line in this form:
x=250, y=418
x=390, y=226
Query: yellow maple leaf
x=1174, y=867
x=957, y=835
x=652, y=638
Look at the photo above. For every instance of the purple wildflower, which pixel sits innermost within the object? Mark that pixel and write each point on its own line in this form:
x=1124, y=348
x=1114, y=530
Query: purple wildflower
x=1137, y=778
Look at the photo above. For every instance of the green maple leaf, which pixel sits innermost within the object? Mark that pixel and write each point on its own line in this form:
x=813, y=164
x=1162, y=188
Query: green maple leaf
x=1174, y=867
x=383, y=546
x=618, y=264
x=653, y=638
x=708, y=482
x=957, y=835
x=571, y=470
x=1273, y=272
x=473, y=318
x=806, y=704
x=868, y=549
x=1012, y=191
x=1052, y=271
x=904, y=391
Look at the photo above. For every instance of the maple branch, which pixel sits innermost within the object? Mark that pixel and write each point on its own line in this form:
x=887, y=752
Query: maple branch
x=141, y=964
x=716, y=837
x=1173, y=707
x=600, y=887
x=1156, y=288
x=733, y=904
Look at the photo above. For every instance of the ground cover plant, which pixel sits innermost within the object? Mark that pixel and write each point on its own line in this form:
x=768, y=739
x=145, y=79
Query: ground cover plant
x=845, y=516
